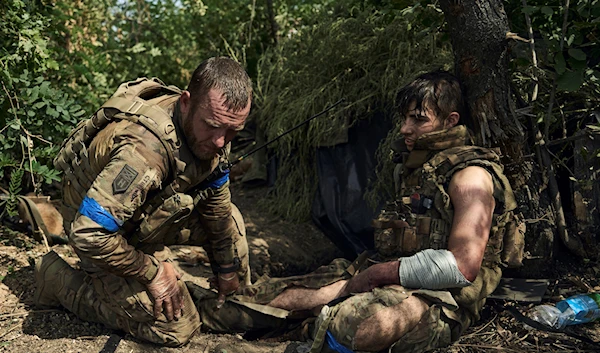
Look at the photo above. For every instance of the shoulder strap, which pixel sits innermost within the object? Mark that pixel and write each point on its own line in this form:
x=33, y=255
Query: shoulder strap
x=132, y=99
x=445, y=163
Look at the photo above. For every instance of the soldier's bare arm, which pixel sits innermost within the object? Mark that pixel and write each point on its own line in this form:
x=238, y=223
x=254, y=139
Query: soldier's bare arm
x=471, y=193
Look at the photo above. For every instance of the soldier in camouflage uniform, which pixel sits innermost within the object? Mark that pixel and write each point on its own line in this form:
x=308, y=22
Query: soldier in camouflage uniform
x=143, y=173
x=448, y=233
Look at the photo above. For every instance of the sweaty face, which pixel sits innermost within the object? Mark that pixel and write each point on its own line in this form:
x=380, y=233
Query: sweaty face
x=417, y=122
x=211, y=126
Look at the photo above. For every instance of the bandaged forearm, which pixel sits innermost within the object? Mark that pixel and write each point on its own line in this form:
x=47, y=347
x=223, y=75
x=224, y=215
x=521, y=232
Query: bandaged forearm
x=431, y=269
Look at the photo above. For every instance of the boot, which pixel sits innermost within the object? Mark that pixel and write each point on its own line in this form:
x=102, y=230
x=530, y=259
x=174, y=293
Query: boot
x=49, y=278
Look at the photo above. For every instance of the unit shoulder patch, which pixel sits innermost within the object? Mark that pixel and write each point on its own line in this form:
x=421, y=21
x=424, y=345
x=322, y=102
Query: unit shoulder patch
x=124, y=179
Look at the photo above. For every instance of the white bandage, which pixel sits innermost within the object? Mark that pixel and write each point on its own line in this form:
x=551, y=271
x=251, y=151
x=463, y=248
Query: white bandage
x=431, y=269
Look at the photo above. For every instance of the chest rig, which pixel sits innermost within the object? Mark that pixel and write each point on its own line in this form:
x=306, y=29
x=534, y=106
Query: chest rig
x=145, y=102
x=421, y=215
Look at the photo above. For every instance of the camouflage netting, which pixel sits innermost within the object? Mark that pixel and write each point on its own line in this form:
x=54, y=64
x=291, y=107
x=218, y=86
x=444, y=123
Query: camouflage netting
x=364, y=57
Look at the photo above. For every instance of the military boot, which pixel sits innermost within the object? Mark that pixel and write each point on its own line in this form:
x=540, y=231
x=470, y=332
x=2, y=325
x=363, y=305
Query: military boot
x=50, y=273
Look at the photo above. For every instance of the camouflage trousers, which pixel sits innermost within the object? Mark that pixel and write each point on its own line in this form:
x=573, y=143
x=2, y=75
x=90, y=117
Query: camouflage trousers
x=123, y=303
x=448, y=316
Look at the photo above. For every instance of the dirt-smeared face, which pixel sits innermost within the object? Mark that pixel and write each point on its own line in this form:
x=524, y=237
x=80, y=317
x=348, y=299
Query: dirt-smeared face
x=417, y=122
x=211, y=126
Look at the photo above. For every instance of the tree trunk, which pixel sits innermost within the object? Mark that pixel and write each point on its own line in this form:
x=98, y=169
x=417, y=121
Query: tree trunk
x=478, y=30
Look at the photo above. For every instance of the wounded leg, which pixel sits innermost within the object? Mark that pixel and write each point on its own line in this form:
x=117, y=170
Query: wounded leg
x=298, y=298
x=387, y=326
x=392, y=316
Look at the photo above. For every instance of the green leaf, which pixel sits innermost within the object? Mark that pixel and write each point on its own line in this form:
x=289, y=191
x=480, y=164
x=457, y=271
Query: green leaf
x=44, y=88
x=52, y=112
x=51, y=64
x=570, y=81
x=577, y=54
x=138, y=48
x=78, y=113
x=155, y=52
x=547, y=10
x=529, y=10
x=577, y=65
x=34, y=94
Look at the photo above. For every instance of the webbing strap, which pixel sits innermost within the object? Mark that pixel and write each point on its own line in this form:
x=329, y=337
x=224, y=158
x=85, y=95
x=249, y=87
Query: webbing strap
x=320, y=336
x=138, y=107
x=34, y=218
x=265, y=309
x=358, y=263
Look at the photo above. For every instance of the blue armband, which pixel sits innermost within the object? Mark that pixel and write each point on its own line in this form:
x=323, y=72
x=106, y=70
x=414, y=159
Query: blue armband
x=217, y=183
x=335, y=345
x=94, y=211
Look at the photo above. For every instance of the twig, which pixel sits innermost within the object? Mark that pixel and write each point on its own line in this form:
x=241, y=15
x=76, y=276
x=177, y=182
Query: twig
x=486, y=347
x=24, y=313
x=36, y=136
x=45, y=239
x=482, y=328
x=545, y=217
x=10, y=330
x=566, y=139
x=553, y=91
x=562, y=163
x=533, y=54
x=31, y=158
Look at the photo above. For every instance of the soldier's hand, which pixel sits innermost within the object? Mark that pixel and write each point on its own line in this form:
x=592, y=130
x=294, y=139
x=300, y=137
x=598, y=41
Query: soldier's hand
x=166, y=292
x=375, y=276
x=228, y=283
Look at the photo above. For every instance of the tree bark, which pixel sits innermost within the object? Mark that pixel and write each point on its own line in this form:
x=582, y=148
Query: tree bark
x=478, y=30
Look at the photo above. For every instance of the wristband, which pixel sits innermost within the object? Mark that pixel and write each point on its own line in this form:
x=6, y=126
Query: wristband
x=234, y=268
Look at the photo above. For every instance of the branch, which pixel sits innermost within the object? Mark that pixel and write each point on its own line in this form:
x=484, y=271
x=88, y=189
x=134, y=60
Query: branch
x=553, y=92
x=533, y=55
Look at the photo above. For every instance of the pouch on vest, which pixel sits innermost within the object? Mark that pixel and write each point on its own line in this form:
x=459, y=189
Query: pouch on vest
x=513, y=241
x=157, y=224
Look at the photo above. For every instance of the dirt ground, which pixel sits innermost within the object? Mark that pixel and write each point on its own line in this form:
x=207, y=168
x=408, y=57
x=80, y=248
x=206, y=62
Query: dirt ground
x=278, y=248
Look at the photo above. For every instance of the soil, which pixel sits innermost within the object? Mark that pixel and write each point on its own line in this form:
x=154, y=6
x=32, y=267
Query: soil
x=277, y=248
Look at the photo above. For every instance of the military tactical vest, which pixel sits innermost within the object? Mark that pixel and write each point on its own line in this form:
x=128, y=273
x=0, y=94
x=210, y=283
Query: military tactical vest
x=142, y=101
x=421, y=216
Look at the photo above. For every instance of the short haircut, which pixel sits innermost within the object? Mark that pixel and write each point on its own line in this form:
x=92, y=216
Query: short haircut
x=439, y=91
x=224, y=74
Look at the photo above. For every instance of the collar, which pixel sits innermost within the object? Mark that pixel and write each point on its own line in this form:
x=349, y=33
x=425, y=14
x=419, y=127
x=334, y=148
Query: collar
x=431, y=143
